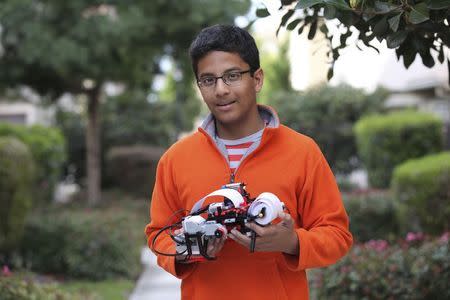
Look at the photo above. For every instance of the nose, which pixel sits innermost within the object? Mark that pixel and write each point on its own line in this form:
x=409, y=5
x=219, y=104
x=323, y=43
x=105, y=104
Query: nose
x=221, y=88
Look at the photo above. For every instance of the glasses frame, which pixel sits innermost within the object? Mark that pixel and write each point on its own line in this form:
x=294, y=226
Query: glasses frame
x=199, y=83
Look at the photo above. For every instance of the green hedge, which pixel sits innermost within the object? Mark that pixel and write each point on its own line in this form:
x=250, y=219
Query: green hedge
x=18, y=288
x=328, y=114
x=376, y=270
x=47, y=146
x=422, y=187
x=372, y=216
x=385, y=141
x=133, y=168
x=88, y=244
x=16, y=179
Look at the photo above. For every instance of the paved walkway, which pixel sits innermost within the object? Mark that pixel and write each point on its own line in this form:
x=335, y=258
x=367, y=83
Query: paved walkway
x=155, y=283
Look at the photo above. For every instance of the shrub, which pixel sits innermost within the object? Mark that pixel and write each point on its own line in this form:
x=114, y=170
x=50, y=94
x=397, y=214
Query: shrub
x=133, y=168
x=17, y=288
x=90, y=244
x=372, y=216
x=375, y=270
x=388, y=140
x=422, y=187
x=327, y=114
x=16, y=178
x=47, y=146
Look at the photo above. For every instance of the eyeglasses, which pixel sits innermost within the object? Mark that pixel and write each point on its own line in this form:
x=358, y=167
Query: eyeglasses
x=232, y=78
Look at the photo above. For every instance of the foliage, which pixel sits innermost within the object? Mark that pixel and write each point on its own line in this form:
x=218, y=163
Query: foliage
x=77, y=46
x=372, y=216
x=91, y=244
x=385, y=141
x=19, y=288
x=128, y=119
x=47, y=147
x=73, y=127
x=376, y=270
x=133, y=168
x=327, y=114
x=423, y=191
x=16, y=179
x=410, y=27
x=277, y=71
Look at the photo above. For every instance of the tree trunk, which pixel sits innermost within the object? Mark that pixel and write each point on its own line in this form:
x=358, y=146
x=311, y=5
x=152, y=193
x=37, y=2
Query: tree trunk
x=93, y=147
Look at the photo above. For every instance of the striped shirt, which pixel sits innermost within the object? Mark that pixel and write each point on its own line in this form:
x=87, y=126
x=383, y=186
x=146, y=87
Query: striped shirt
x=237, y=149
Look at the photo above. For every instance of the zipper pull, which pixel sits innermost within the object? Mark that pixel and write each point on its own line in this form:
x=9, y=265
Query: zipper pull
x=232, y=178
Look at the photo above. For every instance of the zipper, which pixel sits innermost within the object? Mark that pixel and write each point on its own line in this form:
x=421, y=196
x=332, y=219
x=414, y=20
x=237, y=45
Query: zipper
x=232, y=177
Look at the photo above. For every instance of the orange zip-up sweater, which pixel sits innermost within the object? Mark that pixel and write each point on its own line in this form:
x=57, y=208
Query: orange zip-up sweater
x=285, y=163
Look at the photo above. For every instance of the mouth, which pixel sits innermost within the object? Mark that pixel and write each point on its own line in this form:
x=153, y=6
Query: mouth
x=226, y=104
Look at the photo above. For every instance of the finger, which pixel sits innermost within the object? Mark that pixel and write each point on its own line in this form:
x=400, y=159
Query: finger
x=240, y=238
x=261, y=231
x=286, y=219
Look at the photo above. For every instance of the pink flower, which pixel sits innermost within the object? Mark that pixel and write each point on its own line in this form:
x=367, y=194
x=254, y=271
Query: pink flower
x=445, y=237
x=6, y=271
x=377, y=245
x=412, y=237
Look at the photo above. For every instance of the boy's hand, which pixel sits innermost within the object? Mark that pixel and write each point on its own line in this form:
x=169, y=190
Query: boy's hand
x=279, y=237
x=214, y=246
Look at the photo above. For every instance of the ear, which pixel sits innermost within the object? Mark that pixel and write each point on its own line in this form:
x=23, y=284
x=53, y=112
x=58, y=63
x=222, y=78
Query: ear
x=258, y=78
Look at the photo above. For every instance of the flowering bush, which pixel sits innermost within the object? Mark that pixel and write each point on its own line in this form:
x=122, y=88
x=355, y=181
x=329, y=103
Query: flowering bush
x=415, y=268
x=18, y=288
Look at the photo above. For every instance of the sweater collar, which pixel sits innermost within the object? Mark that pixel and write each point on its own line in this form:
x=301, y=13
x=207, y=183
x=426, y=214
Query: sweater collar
x=267, y=113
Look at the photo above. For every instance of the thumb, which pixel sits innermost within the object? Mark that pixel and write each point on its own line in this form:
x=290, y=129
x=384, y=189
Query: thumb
x=286, y=220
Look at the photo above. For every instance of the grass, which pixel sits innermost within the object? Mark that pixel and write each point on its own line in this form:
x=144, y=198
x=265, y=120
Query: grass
x=118, y=289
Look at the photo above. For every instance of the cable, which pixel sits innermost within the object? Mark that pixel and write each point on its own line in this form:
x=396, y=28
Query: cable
x=156, y=236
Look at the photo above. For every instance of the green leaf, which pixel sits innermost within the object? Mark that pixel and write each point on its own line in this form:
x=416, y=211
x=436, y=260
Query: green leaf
x=381, y=27
x=330, y=73
x=383, y=7
x=323, y=28
x=448, y=69
x=438, y=4
x=307, y=3
x=285, y=18
x=262, y=13
x=312, y=30
x=394, y=22
x=427, y=59
x=419, y=13
x=342, y=4
x=293, y=24
x=329, y=12
x=441, y=55
x=395, y=39
x=408, y=58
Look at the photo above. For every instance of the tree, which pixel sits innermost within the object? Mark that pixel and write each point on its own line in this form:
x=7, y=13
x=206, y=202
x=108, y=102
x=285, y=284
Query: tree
x=77, y=46
x=410, y=27
x=277, y=72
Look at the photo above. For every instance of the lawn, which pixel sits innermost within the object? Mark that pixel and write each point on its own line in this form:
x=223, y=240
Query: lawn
x=103, y=290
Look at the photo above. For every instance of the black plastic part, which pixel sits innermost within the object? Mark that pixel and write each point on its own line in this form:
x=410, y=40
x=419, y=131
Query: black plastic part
x=252, y=242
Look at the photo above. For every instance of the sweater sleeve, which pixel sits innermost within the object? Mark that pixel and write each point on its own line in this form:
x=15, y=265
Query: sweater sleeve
x=324, y=236
x=163, y=205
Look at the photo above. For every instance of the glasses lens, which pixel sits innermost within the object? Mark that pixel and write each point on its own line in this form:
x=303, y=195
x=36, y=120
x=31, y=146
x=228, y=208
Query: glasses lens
x=232, y=78
x=207, y=81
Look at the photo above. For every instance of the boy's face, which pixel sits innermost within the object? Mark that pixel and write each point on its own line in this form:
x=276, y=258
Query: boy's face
x=230, y=104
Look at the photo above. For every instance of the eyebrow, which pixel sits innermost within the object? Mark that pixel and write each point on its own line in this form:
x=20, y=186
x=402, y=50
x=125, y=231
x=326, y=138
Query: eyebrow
x=226, y=71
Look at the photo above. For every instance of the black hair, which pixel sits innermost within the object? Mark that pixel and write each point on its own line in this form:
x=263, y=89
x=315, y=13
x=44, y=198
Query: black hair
x=227, y=38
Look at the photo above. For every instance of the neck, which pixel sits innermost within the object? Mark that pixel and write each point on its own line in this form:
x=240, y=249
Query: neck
x=240, y=129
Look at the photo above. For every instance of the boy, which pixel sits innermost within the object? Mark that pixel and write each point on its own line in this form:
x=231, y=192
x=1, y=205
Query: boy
x=241, y=141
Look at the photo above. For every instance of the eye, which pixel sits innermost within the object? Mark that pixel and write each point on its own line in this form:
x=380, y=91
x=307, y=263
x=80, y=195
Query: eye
x=233, y=76
x=207, y=81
